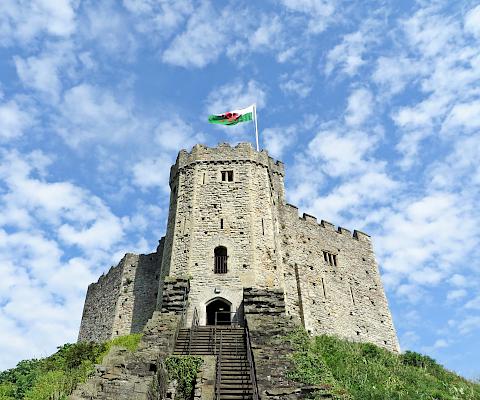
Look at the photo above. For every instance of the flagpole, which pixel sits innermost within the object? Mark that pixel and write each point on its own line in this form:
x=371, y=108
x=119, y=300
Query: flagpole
x=256, y=126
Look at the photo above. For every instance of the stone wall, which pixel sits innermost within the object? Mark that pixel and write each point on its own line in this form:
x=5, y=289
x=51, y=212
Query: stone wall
x=342, y=296
x=100, y=305
x=264, y=301
x=123, y=300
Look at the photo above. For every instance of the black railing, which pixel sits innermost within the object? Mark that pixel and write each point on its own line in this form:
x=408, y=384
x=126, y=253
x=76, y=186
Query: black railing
x=220, y=264
x=193, y=329
x=182, y=317
x=218, y=376
x=227, y=318
x=251, y=363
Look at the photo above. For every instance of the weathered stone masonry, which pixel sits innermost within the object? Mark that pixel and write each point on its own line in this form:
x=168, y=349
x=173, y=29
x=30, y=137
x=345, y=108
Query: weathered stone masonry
x=326, y=278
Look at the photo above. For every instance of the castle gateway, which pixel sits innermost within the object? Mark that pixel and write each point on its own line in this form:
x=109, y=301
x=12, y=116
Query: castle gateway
x=233, y=246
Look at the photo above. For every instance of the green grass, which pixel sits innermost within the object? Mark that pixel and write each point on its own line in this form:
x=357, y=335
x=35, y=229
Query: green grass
x=365, y=371
x=57, y=376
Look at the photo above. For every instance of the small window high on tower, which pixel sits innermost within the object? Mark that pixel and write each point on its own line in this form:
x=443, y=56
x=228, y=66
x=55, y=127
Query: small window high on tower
x=227, y=176
x=220, y=260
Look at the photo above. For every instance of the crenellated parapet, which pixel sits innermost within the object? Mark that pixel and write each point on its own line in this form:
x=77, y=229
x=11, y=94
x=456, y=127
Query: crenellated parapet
x=225, y=153
x=327, y=226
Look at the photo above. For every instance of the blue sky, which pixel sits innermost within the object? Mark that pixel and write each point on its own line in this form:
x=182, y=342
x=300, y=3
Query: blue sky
x=373, y=106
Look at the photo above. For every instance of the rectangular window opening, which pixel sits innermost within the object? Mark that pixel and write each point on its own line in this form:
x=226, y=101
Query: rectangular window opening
x=221, y=223
x=203, y=181
x=330, y=259
x=227, y=176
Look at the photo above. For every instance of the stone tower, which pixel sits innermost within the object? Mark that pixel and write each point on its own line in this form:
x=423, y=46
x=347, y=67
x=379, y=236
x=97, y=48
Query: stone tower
x=224, y=199
x=236, y=246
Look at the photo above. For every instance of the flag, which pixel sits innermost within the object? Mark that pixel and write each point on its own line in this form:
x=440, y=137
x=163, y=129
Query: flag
x=232, y=117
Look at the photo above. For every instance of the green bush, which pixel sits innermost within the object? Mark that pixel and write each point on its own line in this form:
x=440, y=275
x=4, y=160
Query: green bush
x=184, y=370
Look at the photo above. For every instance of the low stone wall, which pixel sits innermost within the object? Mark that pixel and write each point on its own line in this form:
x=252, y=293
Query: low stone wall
x=135, y=376
x=174, y=294
x=263, y=301
x=272, y=357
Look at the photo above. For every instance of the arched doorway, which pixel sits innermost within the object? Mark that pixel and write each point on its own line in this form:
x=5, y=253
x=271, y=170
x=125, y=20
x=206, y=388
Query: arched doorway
x=218, y=311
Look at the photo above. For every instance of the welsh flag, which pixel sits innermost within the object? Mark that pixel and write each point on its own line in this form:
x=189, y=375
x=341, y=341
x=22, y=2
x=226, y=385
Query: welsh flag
x=232, y=117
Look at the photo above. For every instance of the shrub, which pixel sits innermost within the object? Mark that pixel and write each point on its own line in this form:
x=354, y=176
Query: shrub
x=184, y=370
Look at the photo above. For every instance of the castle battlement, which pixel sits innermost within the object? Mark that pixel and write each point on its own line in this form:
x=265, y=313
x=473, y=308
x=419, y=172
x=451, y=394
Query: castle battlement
x=224, y=153
x=328, y=226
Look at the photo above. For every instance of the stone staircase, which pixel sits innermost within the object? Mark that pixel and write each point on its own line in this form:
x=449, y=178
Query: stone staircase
x=228, y=343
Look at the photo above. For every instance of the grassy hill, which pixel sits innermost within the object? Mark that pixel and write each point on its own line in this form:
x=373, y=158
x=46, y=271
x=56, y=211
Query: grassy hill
x=364, y=371
x=348, y=370
x=57, y=375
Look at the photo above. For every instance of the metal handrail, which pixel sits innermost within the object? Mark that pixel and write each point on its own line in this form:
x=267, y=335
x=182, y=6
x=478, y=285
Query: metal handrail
x=251, y=362
x=182, y=317
x=193, y=328
x=232, y=321
x=219, y=370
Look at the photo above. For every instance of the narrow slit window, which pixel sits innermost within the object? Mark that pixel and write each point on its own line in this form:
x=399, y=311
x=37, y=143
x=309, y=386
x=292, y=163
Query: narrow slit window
x=351, y=294
x=203, y=180
x=221, y=223
x=263, y=227
x=323, y=287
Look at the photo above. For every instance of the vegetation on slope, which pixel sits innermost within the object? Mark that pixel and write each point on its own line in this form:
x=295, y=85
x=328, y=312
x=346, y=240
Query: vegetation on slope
x=365, y=371
x=57, y=375
x=184, y=370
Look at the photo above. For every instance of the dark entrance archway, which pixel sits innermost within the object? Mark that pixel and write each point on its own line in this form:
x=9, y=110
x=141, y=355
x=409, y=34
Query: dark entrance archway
x=221, y=309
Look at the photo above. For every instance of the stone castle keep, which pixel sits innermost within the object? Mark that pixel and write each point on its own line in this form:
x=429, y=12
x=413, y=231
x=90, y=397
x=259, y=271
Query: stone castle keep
x=235, y=248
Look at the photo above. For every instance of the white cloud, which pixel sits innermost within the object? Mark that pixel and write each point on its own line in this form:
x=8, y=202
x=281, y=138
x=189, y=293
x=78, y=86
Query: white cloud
x=201, y=43
x=44, y=72
x=320, y=12
x=472, y=21
x=394, y=73
x=463, y=115
x=458, y=280
x=347, y=56
x=447, y=68
x=162, y=17
x=469, y=324
x=277, y=140
x=417, y=243
x=355, y=145
x=473, y=304
x=175, y=134
x=13, y=120
x=354, y=196
x=153, y=172
x=36, y=263
x=299, y=82
x=360, y=107
x=92, y=114
x=234, y=95
x=457, y=294
x=25, y=20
